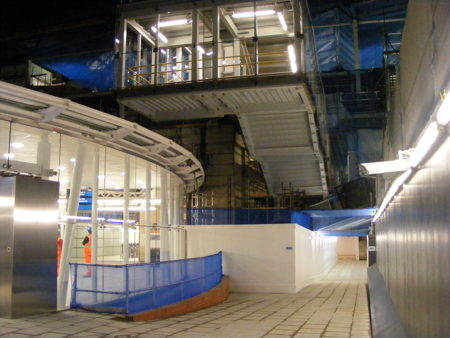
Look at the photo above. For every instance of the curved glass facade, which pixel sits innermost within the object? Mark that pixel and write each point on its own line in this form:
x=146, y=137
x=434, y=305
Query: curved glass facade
x=104, y=173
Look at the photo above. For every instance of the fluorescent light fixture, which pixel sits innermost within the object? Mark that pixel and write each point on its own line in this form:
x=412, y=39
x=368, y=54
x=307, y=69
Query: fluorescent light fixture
x=210, y=53
x=101, y=177
x=425, y=143
x=161, y=36
x=163, y=51
x=8, y=155
x=224, y=62
x=76, y=218
x=188, y=50
x=265, y=12
x=373, y=168
x=200, y=49
x=17, y=145
x=72, y=159
x=122, y=173
x=171, y=23
x=443, y=114
x=61, y=167
x=139, y=182
x=292, y=59
x=116, y=41
x=118, y=188
x=282, y=21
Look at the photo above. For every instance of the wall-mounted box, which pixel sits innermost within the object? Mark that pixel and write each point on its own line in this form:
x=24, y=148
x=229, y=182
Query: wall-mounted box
x=28, y=234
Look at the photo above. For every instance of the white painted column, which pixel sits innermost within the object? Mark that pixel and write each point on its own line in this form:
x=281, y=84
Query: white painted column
x=126, y=205
x=298, y=35
x=72, y=209
x=179, y=64
x=175, y=221
x=237, y=58
x=94, y=207
x=216, y=41
x=194, y=57
x=182, y=239
x=43, y=155
x=164, y=232
x=148, y=194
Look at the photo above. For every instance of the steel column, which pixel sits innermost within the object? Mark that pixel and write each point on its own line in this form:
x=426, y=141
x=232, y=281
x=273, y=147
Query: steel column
x=164, y=233
x=216, y=41
x=148, y=193
x=43, y=156
x=298, y=34
x=356, y=53
x=126, y=206
x=194, y=56
x=94, y=207
x=122, y=53
x=72, y=209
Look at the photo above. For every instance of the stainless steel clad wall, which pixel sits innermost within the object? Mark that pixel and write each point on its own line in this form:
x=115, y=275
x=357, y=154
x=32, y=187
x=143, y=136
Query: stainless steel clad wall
x=28, y=232
x=413, y=249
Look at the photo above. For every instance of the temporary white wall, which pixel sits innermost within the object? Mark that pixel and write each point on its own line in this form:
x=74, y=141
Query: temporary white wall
x=265, y=258
x=348, y=247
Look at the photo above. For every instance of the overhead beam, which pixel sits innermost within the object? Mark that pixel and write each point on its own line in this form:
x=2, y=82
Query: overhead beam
x=141, y=31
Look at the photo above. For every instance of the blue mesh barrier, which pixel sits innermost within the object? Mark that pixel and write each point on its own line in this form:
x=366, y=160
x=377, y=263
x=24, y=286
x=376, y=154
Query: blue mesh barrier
x=134, y=288
x=218, y=216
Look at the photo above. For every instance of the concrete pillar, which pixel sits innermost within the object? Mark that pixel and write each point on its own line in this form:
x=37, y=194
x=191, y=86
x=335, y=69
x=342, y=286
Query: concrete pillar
x=122, y=53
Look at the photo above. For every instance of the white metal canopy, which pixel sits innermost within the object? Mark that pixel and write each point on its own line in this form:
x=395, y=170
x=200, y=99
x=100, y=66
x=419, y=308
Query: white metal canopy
x=32, y=108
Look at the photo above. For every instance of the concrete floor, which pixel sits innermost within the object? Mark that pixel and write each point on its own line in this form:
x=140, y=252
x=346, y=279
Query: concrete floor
x=335, y=307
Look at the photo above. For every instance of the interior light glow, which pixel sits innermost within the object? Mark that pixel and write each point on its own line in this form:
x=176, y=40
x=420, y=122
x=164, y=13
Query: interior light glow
x=163, y=51
x=72, y=159
x=117, y=41
x=122, y=173
x=61, y=167
x=139, y=182
x=171, y=23
x=251, y=14
x=101, y=177
x=8, y=155
x=443, y=114
x=188, y=50
x=62, y=201
x=393, y=190
x=161, y=36
x=17, y=145
x=424, y=145
x=76, y=218
x=282, y=21
x=292, y=59
x=200, y=49
x=210, y=53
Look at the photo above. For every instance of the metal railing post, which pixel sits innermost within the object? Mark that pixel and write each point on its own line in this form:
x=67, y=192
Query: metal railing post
x=127, y=288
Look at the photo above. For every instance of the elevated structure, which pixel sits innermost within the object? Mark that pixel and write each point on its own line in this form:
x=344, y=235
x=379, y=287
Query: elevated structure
x=255, y=60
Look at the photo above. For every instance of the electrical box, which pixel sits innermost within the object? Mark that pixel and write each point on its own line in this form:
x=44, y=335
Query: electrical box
x=28, y=245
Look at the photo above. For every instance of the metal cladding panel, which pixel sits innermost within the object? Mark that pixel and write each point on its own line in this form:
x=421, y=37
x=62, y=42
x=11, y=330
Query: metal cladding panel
x=413, y=249
x=31, y=251
x=6, y=244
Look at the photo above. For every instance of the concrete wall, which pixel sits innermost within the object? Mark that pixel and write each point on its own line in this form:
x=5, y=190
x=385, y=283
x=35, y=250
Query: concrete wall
x=265, y=258
x=348, y=248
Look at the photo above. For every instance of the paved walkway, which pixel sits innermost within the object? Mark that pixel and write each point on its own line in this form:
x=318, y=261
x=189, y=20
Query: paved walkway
x=336, y=307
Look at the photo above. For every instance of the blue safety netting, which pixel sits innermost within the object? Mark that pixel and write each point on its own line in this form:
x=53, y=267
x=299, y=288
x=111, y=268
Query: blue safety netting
x=341, y=222
x=134, y=288
x=95, y=71
x=217, y=216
